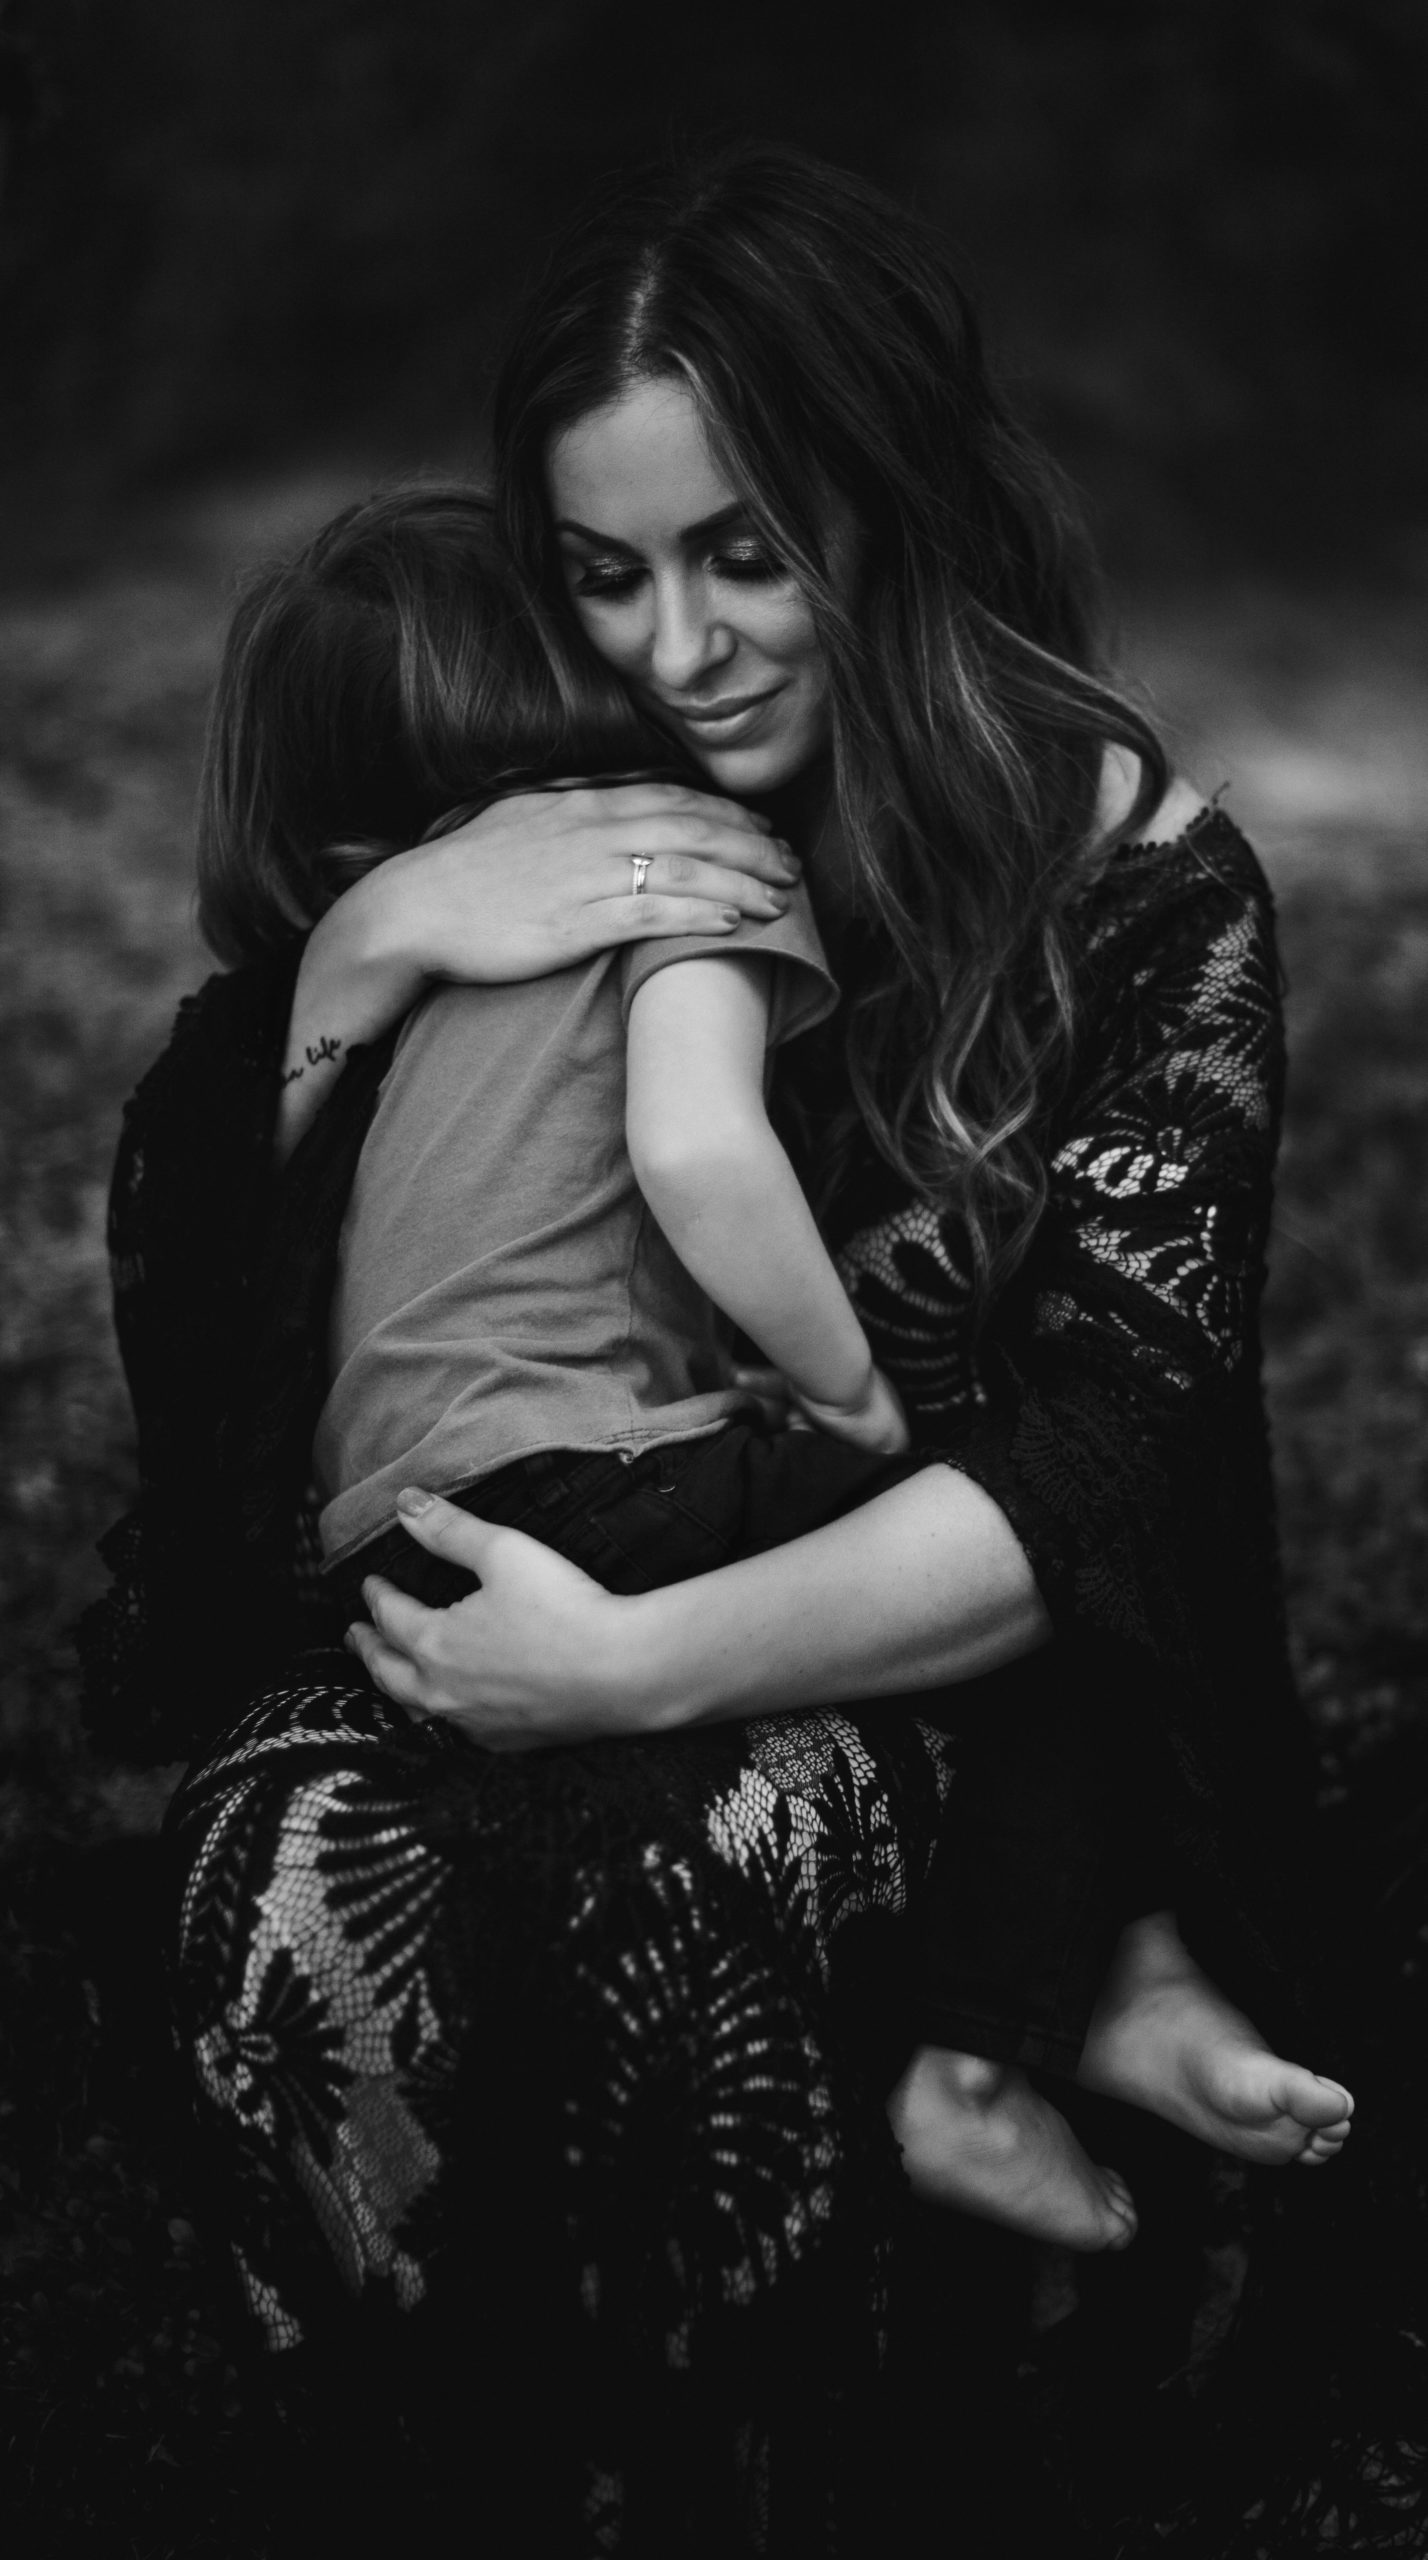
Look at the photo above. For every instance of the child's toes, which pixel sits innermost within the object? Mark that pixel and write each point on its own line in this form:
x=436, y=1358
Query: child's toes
x=1325, y=2145
x=1117, y=2193
x=1122, y=2204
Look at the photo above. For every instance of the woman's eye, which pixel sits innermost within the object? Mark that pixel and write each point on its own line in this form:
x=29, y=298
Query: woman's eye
x=604, y=577
x=612, y=580
x=750, y=567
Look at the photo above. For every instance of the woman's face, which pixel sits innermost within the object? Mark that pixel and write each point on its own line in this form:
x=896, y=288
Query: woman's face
x=678, y=590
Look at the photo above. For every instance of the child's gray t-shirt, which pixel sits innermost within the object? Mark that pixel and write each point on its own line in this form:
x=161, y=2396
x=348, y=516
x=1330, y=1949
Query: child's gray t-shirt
x=501, y=1286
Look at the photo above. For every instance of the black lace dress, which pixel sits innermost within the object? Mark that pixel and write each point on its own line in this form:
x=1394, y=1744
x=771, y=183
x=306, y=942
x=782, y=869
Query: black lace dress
x=573, y=2063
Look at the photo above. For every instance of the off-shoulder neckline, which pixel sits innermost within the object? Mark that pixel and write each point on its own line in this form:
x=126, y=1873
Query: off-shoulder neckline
x=1204, y=815
x=1139, y=856
x=1211, y=820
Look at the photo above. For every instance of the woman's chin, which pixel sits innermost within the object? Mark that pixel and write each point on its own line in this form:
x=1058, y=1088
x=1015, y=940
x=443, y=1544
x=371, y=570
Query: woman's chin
x=751, y=772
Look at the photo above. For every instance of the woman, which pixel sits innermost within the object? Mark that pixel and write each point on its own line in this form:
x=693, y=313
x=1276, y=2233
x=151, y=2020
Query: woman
x=748, y=436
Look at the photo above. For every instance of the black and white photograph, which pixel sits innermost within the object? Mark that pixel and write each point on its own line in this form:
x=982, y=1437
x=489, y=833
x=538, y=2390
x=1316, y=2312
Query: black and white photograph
x=714, y=1225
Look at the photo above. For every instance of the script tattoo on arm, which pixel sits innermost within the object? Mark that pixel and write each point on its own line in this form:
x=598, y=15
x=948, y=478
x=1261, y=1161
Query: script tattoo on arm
x=315, y=1056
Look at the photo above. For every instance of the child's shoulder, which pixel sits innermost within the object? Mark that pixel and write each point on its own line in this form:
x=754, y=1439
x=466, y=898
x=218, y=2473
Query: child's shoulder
x=804, y=988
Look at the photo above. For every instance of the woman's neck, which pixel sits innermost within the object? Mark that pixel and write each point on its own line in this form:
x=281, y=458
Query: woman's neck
x=798, y=808
x=805, y=812
x=1120, y=781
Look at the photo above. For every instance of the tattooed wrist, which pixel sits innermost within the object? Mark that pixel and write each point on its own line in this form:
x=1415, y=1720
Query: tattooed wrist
x=314, y=1055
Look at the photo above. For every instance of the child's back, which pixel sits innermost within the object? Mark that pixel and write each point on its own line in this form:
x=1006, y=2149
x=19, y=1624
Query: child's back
x=503, y=1287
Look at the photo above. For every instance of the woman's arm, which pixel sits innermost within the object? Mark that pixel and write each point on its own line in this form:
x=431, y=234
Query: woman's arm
x=724, y=1192
x=535, y=883
x=923, y=1586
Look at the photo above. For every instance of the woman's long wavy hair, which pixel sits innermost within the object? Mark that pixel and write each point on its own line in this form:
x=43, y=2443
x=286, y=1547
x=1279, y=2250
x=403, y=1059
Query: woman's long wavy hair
x=833, y=353
x=394, y=672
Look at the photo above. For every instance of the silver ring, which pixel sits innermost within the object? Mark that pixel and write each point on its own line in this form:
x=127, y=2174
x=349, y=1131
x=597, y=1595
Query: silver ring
x=639, y=864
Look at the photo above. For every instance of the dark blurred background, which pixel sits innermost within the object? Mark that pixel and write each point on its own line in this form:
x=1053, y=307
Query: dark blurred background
x=250, y=227
x=253, y=254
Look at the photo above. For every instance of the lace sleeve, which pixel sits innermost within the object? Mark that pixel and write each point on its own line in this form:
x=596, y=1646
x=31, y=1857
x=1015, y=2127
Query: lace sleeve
x=186, y=1208
x=1112, y=1408
x=187, y=1199
x=1121, y=1429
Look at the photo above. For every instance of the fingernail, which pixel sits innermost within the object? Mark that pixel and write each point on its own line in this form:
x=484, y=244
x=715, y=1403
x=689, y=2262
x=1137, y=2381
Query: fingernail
x=776, y=906
x=412, y=1499
x=730, y=915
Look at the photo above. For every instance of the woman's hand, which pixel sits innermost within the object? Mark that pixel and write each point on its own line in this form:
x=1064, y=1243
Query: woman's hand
x=535, y=883
x=544, y=879
x=540, y=1654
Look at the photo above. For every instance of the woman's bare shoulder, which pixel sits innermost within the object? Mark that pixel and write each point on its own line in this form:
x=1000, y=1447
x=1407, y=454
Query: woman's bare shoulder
x=1120, y=780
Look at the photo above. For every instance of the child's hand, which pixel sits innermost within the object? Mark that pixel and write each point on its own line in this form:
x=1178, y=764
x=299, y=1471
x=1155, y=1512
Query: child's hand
x=876, y=1422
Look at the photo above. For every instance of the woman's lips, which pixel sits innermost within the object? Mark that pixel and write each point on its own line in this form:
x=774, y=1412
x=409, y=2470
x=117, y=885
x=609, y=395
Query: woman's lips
x=719, y=722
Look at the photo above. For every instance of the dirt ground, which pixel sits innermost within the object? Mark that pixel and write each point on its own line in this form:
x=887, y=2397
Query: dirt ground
x=1312, y=709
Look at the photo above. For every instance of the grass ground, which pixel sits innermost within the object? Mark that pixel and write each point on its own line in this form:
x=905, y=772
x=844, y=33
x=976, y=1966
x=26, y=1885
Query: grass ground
x=126, y=2420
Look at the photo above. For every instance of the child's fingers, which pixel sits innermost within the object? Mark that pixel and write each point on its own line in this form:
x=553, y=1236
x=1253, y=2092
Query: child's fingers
x=770, y=1391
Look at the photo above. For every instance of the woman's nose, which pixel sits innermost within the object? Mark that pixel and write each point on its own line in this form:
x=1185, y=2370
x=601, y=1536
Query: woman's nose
x=688, y=640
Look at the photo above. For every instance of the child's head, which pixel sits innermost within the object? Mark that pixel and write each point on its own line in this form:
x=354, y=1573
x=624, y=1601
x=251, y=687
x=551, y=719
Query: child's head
x=395, y=668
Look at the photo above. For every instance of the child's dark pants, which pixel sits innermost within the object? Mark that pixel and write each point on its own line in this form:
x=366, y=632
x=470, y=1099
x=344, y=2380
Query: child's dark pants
x=1028, y=1886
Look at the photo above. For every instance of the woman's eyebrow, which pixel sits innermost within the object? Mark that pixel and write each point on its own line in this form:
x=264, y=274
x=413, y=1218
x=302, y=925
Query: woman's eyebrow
x=587, y=533
x=718, y=522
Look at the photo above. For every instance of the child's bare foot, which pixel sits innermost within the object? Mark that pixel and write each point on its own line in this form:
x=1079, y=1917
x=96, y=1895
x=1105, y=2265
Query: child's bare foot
x=976, y=2136
x=1164, y=2038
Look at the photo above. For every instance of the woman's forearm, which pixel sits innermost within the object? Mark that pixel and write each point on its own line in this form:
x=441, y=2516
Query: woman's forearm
x=352, y=986
x=924, y=1586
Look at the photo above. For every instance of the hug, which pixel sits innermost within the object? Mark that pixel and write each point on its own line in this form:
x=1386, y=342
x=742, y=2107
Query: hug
x=691, y=1296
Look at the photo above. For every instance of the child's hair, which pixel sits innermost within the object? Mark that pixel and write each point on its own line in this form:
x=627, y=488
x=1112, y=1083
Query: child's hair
x=395, y=670
x=833, y=353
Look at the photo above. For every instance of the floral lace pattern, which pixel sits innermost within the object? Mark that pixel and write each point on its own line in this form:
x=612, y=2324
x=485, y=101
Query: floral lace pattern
x=1112, y=1407
x=912, y=1288
x=1160, y=1188
x=715, y=2140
